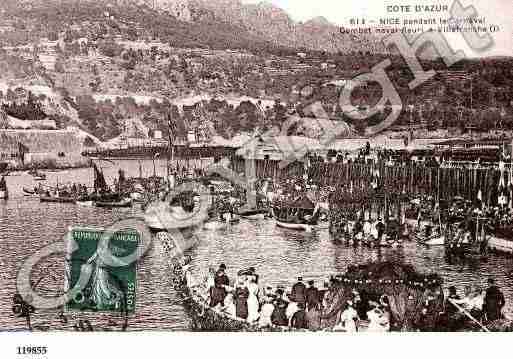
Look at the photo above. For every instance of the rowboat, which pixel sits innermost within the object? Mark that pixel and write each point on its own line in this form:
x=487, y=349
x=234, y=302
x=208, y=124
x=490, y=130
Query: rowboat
x=433, y=241
x=501, y=245
x=302, y=215
x=501, y=239
x=295, y=226
x=29, y=192
x=38, y=176
x=51, y=199
x=85, y=203
x=256, y=214
x=124, y=203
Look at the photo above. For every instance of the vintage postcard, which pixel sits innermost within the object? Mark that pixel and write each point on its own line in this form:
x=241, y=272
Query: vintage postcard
x=335, y=167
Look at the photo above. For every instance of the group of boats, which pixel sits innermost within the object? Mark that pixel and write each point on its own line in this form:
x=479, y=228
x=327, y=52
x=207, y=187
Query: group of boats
x=113, y=200
x=463, y=236
x=102, y=196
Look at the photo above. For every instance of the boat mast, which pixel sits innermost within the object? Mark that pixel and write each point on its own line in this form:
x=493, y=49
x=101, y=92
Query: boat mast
x=171, y=147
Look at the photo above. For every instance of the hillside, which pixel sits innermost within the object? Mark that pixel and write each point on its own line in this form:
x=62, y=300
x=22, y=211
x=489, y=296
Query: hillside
x=103, y=66
x=218, y=24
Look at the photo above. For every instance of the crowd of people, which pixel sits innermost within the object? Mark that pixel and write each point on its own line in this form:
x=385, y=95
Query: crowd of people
x=305, y=306
x=485, y=306
x=299, y=308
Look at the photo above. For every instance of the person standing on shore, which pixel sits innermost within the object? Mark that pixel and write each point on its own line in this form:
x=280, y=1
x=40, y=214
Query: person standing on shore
x=312, y=295
x=218, y=292
x=493, y=302
x=298, y=294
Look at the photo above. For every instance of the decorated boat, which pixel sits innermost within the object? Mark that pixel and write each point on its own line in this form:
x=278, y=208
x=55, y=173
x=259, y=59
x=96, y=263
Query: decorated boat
x=415, y=301
x=300, y=215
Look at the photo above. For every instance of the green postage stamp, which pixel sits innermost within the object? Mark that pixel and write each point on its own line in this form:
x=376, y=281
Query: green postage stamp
x=101, y=279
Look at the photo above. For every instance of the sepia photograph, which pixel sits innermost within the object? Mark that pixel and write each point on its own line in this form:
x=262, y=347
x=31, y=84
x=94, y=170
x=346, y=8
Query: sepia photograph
x=207, y=166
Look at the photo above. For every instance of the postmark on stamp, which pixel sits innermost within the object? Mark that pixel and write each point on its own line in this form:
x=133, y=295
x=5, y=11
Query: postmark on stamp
x=100, y=271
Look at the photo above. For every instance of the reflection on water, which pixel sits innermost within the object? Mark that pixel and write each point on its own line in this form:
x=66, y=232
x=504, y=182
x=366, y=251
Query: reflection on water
x=278, y=255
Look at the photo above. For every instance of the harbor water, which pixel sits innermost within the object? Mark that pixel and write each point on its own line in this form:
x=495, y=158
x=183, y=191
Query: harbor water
x=279, y=256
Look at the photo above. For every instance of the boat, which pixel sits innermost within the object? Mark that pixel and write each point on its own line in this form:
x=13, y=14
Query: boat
x=162, y=216
x=38, y=176
x=255, y=214
x=432, y=241
x=383, y=279
x=85, y=203
x=500, y=245
x=430, y=235
x=501, y=239
x=29, y=192
x=300, y=215
x=123, y=203
x=295, y=226
x=56, y=199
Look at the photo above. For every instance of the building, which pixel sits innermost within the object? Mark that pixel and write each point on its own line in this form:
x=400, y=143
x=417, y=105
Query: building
x=295, y=147
x=42, y=148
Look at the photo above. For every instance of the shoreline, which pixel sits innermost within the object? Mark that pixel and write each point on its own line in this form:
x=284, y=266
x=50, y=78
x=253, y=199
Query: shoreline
x=46, y=169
